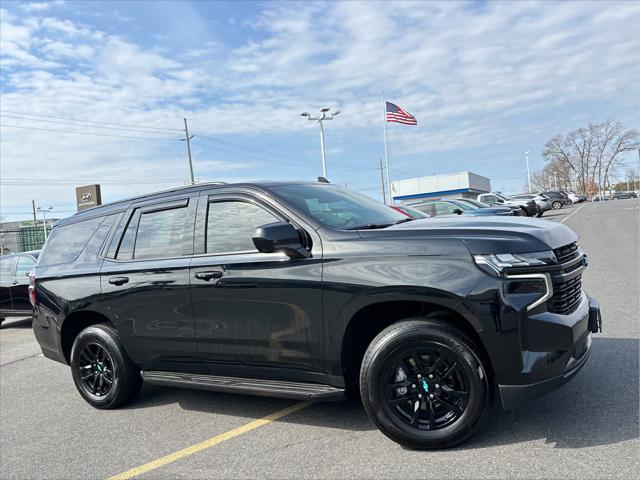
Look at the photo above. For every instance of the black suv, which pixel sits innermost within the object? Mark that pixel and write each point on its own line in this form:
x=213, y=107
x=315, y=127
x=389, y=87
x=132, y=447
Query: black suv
x=306, y=290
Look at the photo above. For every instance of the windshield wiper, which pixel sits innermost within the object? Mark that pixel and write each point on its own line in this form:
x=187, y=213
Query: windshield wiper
x=371, y=226
x=404, y=220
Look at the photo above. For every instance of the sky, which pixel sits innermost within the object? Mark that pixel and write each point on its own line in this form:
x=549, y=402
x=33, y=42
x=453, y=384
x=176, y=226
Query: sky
x=96, y=92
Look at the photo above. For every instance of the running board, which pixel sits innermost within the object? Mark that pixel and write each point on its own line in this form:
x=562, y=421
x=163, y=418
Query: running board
x=251, y=386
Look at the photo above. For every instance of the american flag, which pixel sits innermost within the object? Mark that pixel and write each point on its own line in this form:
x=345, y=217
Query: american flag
x=396, y=114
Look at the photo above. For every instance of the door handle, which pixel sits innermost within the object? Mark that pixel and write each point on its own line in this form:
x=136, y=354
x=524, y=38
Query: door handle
x=118, y=280
x=206, y=276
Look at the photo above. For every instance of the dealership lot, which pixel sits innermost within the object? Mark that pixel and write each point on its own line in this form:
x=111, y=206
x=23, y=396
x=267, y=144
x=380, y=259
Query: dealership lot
x=589, y=428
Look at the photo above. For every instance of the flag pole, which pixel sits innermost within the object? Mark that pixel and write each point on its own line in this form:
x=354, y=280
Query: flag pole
x=386, y=152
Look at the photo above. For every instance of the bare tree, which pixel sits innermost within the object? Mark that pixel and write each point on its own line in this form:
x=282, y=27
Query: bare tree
x=586, y=157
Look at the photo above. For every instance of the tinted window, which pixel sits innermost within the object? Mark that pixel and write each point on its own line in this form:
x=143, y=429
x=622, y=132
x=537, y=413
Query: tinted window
x=338, y=207
x=230, y=226
x=25, y=264
x=125, y=250
x=162, y=233
x=66, y=242
x=444, y=209
x=6, y=266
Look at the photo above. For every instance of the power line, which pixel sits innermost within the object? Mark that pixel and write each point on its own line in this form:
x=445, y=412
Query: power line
x=89, y=133
x=90, y=121
x=66, y=181
x=132, y=129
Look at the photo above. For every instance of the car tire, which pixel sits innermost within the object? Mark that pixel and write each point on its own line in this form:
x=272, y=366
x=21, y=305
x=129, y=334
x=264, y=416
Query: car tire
x=556, y=205
x=449, y=392
x=524, y=212
x=102, y=371
x=540, y=213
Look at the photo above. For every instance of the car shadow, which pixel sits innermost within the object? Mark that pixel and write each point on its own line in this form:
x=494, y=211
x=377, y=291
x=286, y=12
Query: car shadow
x=598, y=407
x=20, y=323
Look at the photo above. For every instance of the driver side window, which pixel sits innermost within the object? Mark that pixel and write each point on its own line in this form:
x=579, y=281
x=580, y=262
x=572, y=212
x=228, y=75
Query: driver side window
x=444, y=209
x=231, y=223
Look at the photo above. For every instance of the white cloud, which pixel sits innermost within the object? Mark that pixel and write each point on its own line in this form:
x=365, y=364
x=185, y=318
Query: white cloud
x=35, y=6
x=470, y=73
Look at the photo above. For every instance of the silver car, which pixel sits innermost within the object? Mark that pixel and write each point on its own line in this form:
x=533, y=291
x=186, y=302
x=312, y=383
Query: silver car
x=542, y=202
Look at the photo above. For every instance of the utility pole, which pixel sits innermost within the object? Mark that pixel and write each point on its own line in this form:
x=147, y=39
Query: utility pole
x=526, y=156
x=187, y=139
x=384, y=193
x=319, y=119
x=33, y=206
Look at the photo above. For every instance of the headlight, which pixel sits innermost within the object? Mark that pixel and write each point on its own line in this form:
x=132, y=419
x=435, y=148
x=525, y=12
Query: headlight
x=495, y=264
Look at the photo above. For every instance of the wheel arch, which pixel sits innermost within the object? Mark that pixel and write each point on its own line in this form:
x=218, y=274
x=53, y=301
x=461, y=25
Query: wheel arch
x=74, y=323
x=371, y=319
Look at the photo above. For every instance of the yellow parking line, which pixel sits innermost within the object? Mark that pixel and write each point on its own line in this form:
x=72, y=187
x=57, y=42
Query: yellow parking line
x=198, y=447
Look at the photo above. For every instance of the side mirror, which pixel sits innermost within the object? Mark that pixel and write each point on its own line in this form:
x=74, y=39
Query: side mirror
x=457, y=211
x=279, y=237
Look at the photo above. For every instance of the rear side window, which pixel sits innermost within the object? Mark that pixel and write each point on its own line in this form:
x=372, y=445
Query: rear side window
x=6, y=267
x=230, y=226
x=161, y=234
x=66, y=242
x=25, y=264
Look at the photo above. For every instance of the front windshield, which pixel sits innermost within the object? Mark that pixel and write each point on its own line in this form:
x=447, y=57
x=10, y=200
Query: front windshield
x=501, y=196
x=464, y=205
x=476, y=203
x=338, y=207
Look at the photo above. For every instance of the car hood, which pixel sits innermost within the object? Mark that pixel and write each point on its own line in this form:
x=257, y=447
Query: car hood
x=482, y=235
x=490, y=211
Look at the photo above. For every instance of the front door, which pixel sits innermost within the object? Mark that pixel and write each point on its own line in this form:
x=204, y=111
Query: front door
x=145, y=284
x=20, y=284
x=253, y=309
x=7, y=270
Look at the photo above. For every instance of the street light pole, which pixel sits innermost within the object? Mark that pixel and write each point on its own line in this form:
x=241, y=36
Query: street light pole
x=319, y=119
x=526, y=155
x=44, y=219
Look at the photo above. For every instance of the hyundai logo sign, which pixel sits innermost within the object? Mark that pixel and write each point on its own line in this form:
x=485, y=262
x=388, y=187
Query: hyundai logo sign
x=88, y=196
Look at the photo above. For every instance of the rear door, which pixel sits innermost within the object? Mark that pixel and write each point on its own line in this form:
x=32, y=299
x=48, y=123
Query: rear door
x=145, y=283
x=254, y=309
x=20, y=284
x=7, y=270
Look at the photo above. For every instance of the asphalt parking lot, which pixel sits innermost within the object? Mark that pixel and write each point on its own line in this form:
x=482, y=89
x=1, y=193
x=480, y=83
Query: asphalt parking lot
x=587, y=429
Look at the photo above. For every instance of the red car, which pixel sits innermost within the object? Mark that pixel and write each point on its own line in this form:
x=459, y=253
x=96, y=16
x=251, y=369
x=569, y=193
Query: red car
x=409, y=211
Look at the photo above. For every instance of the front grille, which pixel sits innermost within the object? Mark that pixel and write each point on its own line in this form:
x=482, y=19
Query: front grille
x=567, y=288
x=568, y=252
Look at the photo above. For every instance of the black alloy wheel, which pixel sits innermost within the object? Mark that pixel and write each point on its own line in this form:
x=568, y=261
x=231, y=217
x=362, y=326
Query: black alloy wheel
x=423, y=383
x=426, y=388
x=101, y=369
x=96, y=370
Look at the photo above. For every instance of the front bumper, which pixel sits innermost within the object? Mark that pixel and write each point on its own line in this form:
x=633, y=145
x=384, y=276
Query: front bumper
x=547, y=370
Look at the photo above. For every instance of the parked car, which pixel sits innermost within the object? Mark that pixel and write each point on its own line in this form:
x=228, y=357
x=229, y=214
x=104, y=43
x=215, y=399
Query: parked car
x=305, y=290
x=439, y=208
x=409, y=211
x=528, y=207
x=558, y=200
x=543, y=203
x=513, y=210
x=14, y=284
x=605, y=197
x=622, y=195
x=575, y=198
